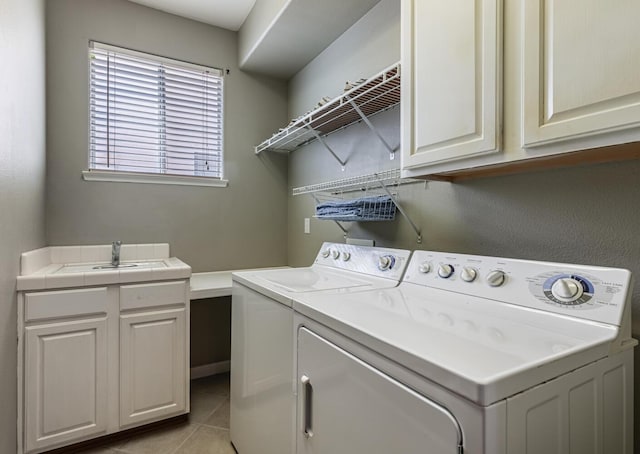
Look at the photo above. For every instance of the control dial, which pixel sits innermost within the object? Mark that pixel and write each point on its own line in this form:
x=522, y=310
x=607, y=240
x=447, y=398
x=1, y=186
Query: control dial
x=567, y=289
x=496, y=278
x=335, y=254
x=326, y=253
x=386, y=262
x=346, y=256
x=425, y=267
x=445, y=271
x=468, y=274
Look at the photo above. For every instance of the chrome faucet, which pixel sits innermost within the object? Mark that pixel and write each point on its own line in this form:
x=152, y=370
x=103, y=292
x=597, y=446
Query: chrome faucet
x=115, y=253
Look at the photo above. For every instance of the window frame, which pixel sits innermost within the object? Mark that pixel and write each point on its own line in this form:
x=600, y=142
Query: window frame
x=104, y=175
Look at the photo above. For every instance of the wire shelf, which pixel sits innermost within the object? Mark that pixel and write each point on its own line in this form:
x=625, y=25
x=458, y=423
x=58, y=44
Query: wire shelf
x=357, y=183
x=377, y=94
x=374, y=185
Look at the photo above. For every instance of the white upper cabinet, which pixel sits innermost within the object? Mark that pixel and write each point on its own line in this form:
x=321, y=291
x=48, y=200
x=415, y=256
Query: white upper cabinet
x=451, y=81
x=546, y=83
x=581, y=74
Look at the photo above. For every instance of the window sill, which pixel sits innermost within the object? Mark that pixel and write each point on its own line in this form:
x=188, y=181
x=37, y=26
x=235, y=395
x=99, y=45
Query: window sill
x=129, y=177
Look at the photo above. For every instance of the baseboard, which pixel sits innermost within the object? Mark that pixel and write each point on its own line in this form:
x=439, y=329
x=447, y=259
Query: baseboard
x=210, y=369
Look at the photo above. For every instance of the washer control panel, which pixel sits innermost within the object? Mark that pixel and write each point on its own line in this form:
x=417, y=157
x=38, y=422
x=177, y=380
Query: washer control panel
x=374, y=261
x=590, y=292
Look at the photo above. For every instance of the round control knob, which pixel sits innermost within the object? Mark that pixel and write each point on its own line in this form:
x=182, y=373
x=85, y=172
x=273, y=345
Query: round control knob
x=385, y=262
x=445, y=271
x=346, y=256
x=468, y=274
x=326, y=253
x=424, y=267
x=566, y=289
x=335, y=254
x=496, y=278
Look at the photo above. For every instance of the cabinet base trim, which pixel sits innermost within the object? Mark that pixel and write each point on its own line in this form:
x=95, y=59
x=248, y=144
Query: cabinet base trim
x=122, y=435
x=210, y=369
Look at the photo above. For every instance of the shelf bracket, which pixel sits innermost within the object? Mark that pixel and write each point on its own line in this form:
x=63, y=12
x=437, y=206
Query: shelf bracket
x=402, y=212
x=392, y=151
x=322, y=141
x=340, y=226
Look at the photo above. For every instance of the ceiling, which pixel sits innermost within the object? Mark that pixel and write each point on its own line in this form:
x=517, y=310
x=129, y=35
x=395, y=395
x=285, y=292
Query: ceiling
x=229, y=14
x=299, y=31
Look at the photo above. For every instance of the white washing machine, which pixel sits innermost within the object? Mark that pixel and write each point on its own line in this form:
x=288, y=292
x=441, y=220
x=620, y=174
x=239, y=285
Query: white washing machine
x=469, y=354
x=262, y=336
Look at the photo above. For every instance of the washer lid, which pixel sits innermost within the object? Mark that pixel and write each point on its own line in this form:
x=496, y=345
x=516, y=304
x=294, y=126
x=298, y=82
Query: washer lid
x=312, y=279
x=284, y=284
x=482, y=349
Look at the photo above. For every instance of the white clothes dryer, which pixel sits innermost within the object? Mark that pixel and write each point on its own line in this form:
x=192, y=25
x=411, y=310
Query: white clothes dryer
x=470, y=354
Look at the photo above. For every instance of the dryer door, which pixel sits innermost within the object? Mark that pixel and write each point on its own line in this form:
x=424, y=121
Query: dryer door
x=345, y=406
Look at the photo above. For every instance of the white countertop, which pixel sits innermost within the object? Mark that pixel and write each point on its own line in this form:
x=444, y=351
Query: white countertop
x=72, y=266
x=215, y=283
x=78, y=266
x=210, y=285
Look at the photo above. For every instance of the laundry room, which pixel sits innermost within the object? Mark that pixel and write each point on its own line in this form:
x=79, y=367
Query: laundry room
x=374, y=147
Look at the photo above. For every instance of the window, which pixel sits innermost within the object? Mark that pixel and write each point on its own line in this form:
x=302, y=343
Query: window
x=152, y=116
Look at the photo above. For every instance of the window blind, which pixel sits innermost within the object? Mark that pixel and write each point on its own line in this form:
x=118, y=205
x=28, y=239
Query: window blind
x=151, y=114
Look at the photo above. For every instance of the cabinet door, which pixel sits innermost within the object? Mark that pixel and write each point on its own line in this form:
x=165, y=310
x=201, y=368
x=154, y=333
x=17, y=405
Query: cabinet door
x=153, y=367
x=581, y=69
x=348, y=407
x=65, y=395
x=451, y=80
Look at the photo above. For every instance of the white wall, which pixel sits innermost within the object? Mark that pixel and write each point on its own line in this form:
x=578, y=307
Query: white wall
x=22, y=177
x=241, y=226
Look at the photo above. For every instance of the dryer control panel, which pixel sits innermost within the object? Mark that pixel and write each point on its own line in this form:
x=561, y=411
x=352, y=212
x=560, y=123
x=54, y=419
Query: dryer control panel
x=373, y=261
x=589, y=292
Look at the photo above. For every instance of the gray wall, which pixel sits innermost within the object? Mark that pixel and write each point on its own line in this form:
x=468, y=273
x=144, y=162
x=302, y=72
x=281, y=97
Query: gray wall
x=584, y=214
x=22, y=177
x=263, y=13
x=241, y=226
x=210, y=330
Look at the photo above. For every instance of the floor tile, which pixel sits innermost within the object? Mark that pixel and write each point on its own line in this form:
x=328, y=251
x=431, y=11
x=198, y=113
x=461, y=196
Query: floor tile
x=215, y=384
x=220, y=417
x=209, y=405
x=161, y=441
x=102, y=450
x=203, y=405
x=207, y=440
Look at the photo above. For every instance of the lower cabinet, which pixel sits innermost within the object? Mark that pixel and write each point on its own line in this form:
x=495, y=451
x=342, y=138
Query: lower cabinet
x=153, y=376
x=65, y=382
x=80, y=348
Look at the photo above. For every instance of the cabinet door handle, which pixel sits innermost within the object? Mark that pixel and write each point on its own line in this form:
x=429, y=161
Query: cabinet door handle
x=307, y=396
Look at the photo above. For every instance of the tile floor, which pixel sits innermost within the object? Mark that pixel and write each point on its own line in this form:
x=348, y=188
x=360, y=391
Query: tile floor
x=207, y=431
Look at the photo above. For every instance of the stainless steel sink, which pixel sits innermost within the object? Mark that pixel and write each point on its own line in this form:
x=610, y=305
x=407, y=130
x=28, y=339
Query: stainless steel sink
x=106, y=266
x=111, y=267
